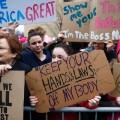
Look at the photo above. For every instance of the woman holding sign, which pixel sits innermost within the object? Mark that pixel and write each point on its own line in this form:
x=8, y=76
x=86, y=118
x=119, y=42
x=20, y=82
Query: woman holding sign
x=59, y=52
x=10, y=50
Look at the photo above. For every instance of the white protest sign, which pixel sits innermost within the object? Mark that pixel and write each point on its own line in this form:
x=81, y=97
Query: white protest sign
x=27, y=11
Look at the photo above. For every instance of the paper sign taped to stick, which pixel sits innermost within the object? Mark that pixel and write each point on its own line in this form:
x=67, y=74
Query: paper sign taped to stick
x=29, y=11
x=91, y=20
x=116, y=75
x=69, y=81
x=12, y=95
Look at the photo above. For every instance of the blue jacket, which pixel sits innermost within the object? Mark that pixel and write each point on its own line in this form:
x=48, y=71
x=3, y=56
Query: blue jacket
x=33, y=61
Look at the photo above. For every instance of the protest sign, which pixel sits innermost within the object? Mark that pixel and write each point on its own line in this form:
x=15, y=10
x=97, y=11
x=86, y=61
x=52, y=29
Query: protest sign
x=91, y=20
x=29, y=11
x=102, y=70
x=116, y=75
x=12, y=95
x=69, y=81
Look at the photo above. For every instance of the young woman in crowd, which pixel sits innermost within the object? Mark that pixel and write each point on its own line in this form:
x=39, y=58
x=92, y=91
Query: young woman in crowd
x=59, y=52
x=10, y=50
x=38, y=55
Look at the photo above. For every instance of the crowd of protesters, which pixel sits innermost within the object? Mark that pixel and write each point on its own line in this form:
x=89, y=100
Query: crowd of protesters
x=38, y=49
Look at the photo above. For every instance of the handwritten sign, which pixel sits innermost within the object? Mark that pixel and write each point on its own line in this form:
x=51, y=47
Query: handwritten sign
x=12, y=95
x=69, y=81
x=30, y=11
x=116, y=74
x=91, y=20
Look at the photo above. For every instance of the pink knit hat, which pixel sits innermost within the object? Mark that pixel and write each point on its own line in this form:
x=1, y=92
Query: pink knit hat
x=22, y=39
x=118, y=47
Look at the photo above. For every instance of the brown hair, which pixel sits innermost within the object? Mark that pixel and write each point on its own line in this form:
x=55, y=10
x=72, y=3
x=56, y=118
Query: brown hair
x=37, y=29
x=14, y=43
x=41, y=30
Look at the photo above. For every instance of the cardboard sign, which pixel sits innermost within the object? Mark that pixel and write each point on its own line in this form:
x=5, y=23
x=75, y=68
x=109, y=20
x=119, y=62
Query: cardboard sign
x=29, y=11
x=116, y=75
x=12, y=95
x=91, y=20
x=69, y=81
x=103, y=73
